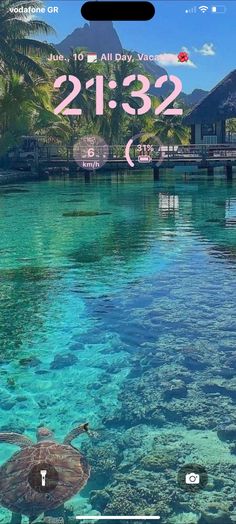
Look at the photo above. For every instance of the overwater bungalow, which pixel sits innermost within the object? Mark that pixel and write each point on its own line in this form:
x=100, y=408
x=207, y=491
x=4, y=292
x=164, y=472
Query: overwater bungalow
x=208, y=118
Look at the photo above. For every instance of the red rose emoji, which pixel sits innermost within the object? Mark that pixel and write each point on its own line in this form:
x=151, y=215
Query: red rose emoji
x=183, y=56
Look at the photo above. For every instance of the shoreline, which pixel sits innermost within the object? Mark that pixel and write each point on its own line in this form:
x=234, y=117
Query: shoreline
x=10, y=175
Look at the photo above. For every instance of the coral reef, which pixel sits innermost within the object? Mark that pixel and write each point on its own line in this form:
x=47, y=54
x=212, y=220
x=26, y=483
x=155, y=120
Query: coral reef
x=125, y=323
x=63, y=360
x=85, y=213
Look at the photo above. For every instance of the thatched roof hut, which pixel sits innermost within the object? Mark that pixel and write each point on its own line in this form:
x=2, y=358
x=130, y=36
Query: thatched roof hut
x=207, y=118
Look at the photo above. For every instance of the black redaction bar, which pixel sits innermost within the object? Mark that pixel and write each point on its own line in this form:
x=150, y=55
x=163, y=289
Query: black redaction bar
x=126, y=10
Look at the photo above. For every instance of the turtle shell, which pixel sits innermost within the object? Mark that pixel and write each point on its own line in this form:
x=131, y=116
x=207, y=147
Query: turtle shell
x=16, y=493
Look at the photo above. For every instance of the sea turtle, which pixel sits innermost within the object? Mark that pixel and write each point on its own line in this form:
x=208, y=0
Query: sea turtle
x=16, y=491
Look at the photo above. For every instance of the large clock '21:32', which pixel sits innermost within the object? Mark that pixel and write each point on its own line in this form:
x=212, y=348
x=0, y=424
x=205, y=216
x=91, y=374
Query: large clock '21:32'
x=140, y=94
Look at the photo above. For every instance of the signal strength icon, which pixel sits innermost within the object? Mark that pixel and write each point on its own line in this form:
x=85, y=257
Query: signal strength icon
x=203, y=8
x=191, y=11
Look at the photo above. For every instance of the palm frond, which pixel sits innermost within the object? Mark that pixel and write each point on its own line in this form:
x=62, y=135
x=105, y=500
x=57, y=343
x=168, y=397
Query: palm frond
x=29, y=45
x=22, y=3
x=38, y=26
x=27, y=27
x=26, y=64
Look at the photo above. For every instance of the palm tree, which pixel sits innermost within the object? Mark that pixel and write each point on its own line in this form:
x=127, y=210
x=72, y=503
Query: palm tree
x=85, y=123
x=231, y=128
x=13, y=124
x=170, y=130
x=115, y=125
x=20, y=52
x=34, y=115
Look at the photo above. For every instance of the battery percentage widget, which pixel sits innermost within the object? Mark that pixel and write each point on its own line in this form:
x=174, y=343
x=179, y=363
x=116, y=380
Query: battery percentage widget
x=145, y=152
x=142, y=153
x=218, y=9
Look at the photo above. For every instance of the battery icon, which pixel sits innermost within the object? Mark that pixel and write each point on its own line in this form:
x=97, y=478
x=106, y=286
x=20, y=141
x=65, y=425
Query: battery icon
x=218, y=9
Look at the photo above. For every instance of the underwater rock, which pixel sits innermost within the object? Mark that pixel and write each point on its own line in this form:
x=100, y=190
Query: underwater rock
x=75, y=200
x=41, y=372
x=200, y=422
x=215, y=516
x=85, y=213
x=220, y=203
x=104, y=461
x=133, y=437
x=113, y=421
x=9, y=191
x=117, y=505
x=28, y=273
x=194, y=363
x=63, y=360
x=215, y=221
x=11, y=383
x=139, y=402
x=227, y=432
x=13, y=427
x=99, y=499
x=231, y=362
x=120, y=506
x=21, y=398
x=232, y=448
x=94, y=386
x=160, y=461
x=184, y=518
x=85, y=257
x=6, y=401
x=226, y=372
x=45, y=401
x=132, y=417
x=112, y=369
x=135, y=371
x=89, y=336
x=76, y=346
x=221, y=387
x=176, y=389
x=60, y=514
x=132, y=498
x=29, y=362
x=104, y=378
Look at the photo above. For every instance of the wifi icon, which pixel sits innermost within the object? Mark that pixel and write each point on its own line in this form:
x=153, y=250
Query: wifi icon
x=203, y=8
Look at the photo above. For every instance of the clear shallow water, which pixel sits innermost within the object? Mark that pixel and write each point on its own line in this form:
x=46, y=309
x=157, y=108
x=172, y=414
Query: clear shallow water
x=125, y=320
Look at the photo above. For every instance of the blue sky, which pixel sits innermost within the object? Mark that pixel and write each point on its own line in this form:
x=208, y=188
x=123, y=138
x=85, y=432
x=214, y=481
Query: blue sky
x=210, y=38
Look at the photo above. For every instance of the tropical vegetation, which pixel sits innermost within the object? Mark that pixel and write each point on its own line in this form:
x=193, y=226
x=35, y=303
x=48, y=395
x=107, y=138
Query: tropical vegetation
x=28, y=99
x=231, y=129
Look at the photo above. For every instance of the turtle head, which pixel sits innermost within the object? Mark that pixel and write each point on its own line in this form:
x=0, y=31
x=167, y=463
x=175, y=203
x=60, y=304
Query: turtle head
x=44, y=434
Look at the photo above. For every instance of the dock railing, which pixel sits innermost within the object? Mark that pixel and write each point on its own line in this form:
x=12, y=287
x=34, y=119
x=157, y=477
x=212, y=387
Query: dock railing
x=192, y=153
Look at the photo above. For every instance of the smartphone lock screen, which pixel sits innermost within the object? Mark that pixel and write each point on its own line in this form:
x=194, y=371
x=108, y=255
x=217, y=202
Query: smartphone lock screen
x=117, y=262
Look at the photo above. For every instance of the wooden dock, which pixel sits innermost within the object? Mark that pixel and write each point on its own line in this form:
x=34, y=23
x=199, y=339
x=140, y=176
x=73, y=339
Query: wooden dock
x=190, y=158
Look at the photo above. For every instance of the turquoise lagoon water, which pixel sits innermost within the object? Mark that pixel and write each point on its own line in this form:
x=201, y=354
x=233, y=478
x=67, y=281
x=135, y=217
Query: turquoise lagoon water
x=125, y=320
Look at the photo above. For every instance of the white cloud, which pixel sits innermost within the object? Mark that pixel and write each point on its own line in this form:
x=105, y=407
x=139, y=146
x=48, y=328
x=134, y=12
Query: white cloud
x=185, y=49
x=170, y=59
x=206, y=50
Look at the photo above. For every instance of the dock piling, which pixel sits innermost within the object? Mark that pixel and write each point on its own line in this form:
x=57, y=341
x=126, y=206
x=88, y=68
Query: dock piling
x=229, y=170
x=156, y=173
x=210, y=171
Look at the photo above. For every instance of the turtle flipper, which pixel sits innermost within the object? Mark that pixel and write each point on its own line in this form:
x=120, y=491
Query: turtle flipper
x=75, y=433
x=58, y=513
x=17, y=439
x=32, y=518
x=16, y=518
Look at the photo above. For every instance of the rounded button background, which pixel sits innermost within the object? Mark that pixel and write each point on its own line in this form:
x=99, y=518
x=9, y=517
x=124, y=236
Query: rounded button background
x=192, y=477
x=51, y=477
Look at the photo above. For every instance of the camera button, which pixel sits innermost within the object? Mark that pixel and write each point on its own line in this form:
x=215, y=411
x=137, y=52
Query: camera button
x=192, y=477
